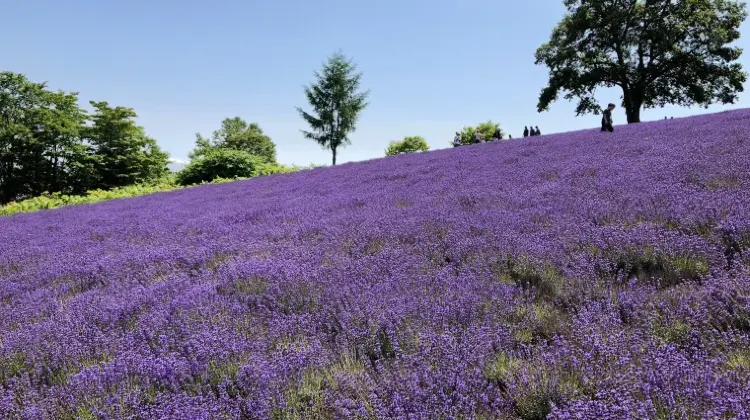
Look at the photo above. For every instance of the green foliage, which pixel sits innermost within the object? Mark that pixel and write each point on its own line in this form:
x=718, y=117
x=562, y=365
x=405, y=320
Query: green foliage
x=657, y=51
x=46, y=144
x=48, y=201
x=236, y=134
x=40, y=147
x=486, y=129
x=220, y=163
x=55, y=200
x=336, y=103
x=407, y=145
x=124, y=154
x=467, y=135
x=306, y=398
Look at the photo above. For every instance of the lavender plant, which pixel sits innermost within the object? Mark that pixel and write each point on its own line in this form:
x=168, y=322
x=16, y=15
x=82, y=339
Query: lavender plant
x=579, y=275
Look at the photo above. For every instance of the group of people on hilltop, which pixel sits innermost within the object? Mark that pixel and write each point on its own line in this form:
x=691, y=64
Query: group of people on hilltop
x=533, y=132
x=497, y=135
x=478, y=138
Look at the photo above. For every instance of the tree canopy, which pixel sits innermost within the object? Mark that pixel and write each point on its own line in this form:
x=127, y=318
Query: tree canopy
x=336, y=103
x=236, y=134
x=49, y=144
x=124, y=154
x=409, y=144
x=657, y=51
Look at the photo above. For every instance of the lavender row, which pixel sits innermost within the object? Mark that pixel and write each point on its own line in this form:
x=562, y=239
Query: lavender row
x=564, y=276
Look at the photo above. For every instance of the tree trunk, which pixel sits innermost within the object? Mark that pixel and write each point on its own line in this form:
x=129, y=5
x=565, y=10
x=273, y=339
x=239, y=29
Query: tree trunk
x=633, y=114
x=333, y=149
x=632, y=102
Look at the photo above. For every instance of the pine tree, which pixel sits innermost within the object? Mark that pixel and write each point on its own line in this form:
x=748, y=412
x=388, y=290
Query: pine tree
x=336, y=103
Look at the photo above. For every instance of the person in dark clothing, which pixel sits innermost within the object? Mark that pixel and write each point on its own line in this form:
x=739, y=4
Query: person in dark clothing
x=457, y=139
x=526, y=131
x=607, y=118
x=497, y=135
x=478, y=137
x=538, y=133
x=510, y=137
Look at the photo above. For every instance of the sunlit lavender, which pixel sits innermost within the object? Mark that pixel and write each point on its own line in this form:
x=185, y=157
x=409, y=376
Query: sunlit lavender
x=581, y=275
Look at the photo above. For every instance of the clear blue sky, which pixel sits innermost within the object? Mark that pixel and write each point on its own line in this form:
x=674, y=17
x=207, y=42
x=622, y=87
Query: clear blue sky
x=432, y=66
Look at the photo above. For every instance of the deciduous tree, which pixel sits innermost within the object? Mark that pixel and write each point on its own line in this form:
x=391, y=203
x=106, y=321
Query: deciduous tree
x=657, y=52
x=236, y=134
x=40, y=145
x=125, y=155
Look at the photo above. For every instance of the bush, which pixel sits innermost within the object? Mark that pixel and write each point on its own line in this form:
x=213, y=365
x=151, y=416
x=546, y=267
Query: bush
x=222, y=163
x=55, y=200
x=407, y=145
x=486, y=129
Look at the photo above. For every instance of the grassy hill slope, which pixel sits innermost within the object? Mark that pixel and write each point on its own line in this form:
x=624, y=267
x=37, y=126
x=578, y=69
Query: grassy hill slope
x=591, y=274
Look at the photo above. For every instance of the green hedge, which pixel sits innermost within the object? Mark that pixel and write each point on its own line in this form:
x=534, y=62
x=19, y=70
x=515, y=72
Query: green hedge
x=55, y=200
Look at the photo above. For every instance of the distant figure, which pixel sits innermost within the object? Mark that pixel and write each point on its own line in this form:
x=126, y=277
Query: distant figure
x=607, y=118
x=478, y=137
x=457, y=139
x=525, y=131
x=665, y=118
x=538, y=133
x=671, y=118
x=532, y=133
x=497, y=135
x=510, y=137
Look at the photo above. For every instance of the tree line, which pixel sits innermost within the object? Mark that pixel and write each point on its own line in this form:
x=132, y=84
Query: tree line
x=48, y=143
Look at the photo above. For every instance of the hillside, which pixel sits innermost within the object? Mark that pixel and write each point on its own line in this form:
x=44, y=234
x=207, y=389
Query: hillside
x=581, y=274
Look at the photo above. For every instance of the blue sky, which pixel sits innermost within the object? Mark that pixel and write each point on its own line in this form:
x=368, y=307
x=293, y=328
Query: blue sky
x=432, y=66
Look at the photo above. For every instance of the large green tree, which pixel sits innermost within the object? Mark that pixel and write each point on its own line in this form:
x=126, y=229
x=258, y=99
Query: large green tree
x=336, y=102
x=409, y=144
x=237, y=134
x=40, y=146
x=125, y=155
x=657, y=51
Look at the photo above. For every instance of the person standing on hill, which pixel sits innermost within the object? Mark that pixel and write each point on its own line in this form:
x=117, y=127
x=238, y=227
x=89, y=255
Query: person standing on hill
x=457, y=139
x=607, y=118
x=525, y=131
x=510, y=137
x=497, y=135
x=538, y=133
x=478, y=137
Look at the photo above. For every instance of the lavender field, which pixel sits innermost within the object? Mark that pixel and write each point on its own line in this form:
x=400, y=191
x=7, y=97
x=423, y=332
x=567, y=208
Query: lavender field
x=581, y=275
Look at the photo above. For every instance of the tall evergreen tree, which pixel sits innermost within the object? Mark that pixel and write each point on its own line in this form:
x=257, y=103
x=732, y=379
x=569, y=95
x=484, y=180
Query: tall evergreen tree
x=657, y=51
x=336, y=103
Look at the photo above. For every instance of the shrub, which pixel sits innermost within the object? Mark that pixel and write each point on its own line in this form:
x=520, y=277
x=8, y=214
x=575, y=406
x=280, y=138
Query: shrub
x=55, y=200
x=221, y=163
x=407, y=145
